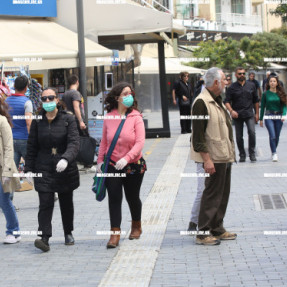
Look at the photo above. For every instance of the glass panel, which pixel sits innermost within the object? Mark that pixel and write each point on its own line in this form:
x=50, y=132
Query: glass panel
x=237, y=6
x=147, y=86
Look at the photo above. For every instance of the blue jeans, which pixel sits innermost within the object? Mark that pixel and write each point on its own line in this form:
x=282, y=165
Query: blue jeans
x=9, y=212
x=274, y=128
x=20, y=150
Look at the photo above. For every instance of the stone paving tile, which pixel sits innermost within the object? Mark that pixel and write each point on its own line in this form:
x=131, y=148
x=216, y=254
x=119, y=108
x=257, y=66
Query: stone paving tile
x=254, y=259
x=85, y=263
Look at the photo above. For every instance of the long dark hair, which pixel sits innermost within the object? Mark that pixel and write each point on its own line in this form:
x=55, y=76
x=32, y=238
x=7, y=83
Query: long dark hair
x=4, y=111
x=111, y=99
x=279, y=90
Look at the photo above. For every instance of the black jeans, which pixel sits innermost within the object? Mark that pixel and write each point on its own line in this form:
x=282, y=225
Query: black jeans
x=132, y=184
x=46, y=208
x=185, y=124
x=250, y=123
x=215, y=199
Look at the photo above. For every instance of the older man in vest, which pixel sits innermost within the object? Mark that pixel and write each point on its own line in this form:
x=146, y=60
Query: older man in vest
x=213, y=146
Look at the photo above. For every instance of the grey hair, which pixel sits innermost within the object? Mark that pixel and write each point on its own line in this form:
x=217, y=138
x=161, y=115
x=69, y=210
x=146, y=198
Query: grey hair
x=211, y=75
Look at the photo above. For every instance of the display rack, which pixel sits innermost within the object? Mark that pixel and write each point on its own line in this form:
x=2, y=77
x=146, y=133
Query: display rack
x=33, y=87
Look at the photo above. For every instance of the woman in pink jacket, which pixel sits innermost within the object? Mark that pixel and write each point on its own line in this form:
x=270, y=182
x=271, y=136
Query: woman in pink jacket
x=126, y=158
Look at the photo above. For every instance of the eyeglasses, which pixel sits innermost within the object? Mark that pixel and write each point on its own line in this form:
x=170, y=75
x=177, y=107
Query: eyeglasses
x=241, y=74
x=51, y=98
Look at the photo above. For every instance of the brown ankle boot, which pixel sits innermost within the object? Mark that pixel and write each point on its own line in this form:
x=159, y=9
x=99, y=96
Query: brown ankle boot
x=136, y=230
x=115, y=238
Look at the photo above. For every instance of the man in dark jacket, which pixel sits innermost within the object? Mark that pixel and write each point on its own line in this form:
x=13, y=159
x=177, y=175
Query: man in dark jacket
x=182, y=90
x=241, y=97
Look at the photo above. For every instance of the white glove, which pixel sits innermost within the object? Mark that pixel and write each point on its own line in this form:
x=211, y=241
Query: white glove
x=5, y=179
x=99, y=165
x=61, y=165
x=29, y=177
x=120, y=164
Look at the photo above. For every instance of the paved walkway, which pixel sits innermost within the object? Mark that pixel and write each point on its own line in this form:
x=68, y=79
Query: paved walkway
x=162, y=257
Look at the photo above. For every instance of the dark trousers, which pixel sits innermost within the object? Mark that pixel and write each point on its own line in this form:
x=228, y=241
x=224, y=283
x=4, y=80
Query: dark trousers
x=185, y=124
x=250, y=123
x=46, y=208
x=215, y=199
x=132, y=184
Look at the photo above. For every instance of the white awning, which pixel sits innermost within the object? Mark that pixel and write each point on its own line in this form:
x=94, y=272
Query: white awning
x=43, y=44
x=172, y=66
x=120, y=17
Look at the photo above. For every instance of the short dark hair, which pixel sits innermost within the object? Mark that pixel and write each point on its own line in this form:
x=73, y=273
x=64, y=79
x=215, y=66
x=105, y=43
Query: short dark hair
x=21, y=83
x=239, y=68
x=182, y=74
x=251, y=73
x=72, y=80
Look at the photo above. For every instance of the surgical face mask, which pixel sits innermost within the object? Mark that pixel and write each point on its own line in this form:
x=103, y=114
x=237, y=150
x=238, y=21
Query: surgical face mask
x=128, y=101
x=50, y=106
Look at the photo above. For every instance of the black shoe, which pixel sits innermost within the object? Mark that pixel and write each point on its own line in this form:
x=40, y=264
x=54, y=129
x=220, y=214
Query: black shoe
x=69, y=239
x=192, y=226
x=189, y=131
x=184, y=132
x=253, y=158
x=42, y=244
x=242, y=159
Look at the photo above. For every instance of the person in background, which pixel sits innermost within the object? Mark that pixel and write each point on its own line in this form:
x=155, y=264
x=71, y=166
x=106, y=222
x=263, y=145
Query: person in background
x=126, y=156
x=53, y=145
x=274, y=101
x=73, y=100
x=8, y=182
x=265, y=81
x=256, y=83
x=198, y=88
x=21, y=111
x=240, y=100
x=182, y=90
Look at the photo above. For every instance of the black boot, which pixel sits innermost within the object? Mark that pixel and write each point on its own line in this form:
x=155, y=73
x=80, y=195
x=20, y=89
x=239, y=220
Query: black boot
x=42, y=244
x=192, y=226
x=69, y=239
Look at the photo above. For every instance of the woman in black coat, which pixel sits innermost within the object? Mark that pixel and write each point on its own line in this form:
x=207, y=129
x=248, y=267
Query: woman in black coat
x=52, y=147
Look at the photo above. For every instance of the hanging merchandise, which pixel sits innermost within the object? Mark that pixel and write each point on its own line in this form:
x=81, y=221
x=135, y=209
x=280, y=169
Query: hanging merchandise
x=35, y=91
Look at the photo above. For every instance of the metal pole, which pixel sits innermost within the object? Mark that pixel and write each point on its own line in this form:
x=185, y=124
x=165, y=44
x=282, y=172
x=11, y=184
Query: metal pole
x=82, y=58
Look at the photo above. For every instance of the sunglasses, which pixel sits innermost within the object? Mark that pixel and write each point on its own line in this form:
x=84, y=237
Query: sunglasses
x=241, y=74
x=51, y=98
x=228, y=79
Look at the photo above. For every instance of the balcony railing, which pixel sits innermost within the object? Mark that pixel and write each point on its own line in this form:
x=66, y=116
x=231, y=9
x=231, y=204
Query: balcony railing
x=234, y=19
x=156, y=5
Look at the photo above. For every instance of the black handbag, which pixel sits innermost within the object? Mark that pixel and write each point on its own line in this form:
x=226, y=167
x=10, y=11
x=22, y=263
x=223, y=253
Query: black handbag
x=185, y=103
x=87, y=149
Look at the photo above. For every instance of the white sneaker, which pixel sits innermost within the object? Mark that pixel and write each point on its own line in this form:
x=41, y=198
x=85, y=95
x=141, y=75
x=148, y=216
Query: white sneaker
x=11, y=239
x=275, y=157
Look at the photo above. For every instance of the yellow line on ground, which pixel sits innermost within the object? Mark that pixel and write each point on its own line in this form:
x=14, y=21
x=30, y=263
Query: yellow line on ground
x=156, y=142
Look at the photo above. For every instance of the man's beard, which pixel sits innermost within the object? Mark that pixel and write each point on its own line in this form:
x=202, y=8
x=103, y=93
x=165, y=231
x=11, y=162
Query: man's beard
x=241, y=79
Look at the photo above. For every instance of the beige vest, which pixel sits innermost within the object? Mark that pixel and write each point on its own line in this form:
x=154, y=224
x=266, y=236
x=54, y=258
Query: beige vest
x=220, y=148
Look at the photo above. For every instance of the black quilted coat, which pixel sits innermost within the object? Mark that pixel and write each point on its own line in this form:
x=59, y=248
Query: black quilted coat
x=47, y=144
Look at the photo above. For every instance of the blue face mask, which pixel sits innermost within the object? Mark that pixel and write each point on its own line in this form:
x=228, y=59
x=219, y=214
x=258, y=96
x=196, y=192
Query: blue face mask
x=50, y=106
x=128, y=101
